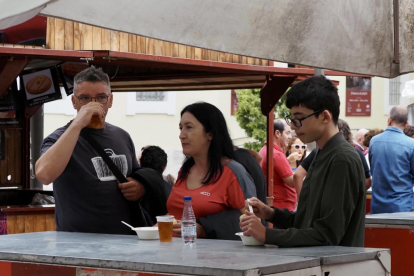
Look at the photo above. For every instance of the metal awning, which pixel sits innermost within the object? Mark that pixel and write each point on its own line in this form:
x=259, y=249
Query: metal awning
x=141, y=72
x=368, y=37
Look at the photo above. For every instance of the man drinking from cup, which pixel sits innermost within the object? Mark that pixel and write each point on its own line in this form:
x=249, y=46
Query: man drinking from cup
x=88, y=196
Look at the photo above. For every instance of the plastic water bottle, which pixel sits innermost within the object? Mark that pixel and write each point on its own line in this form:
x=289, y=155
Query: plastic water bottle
x=188, y=222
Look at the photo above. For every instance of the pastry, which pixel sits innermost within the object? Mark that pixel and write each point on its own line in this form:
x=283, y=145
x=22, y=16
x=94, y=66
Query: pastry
x=39, y=84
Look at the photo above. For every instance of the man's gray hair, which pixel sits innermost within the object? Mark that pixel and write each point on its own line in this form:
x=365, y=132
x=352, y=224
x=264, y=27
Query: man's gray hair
x=399, y=115
x=91, y=74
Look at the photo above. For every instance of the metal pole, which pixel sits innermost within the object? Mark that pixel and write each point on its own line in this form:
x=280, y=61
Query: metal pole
x=396, y=11
x=36, y=139
x=319, y=72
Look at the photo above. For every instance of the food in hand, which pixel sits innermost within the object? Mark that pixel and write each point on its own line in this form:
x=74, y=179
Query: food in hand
x=242, y=217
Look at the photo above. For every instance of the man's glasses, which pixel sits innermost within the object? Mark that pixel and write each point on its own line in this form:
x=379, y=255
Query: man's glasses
x=298, y=147
x=103, y=99
x=298, y=122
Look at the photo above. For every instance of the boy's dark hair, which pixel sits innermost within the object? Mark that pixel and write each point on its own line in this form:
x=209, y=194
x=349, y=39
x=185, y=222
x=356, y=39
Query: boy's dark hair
x=316, y=93
x=154, y=157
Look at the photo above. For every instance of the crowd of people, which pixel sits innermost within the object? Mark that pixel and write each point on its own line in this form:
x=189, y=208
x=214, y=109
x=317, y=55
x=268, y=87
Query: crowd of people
x=318, y=199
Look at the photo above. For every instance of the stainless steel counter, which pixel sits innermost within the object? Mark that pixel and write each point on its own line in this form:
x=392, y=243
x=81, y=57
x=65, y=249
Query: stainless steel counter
x=403, y=218
x=208, y=257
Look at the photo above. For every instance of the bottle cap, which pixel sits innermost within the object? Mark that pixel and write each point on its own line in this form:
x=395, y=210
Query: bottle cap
x=187, y=198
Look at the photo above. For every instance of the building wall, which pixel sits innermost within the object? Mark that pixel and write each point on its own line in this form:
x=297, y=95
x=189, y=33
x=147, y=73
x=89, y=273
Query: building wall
x=379, y=102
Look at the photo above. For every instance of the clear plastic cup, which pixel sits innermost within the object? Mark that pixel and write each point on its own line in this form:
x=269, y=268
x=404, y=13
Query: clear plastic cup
x=96, y=122
x=165, y=227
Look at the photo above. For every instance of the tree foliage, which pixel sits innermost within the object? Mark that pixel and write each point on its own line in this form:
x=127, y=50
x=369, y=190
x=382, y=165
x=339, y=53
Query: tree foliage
x=250, y=117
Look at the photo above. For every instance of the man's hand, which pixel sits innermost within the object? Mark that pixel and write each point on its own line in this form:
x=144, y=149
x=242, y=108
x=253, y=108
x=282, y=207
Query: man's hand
x=132, y=190
x=260, y=209
x=84, y=116
x=252, y=226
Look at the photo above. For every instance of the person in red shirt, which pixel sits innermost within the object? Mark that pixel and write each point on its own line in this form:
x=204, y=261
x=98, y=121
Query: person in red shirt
x=284, y=192
x=209, y=174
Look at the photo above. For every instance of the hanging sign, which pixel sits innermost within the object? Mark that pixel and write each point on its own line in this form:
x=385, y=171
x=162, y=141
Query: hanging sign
x=358, y=96
x=8, y=106
x=41, y=87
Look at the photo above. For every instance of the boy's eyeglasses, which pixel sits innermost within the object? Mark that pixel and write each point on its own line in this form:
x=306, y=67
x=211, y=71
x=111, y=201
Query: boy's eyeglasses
x=298, y=122
x=298, y=147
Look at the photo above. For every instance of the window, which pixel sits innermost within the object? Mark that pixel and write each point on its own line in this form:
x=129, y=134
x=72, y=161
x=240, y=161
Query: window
x=151, y=96
x=394, y=94
x=151, y=103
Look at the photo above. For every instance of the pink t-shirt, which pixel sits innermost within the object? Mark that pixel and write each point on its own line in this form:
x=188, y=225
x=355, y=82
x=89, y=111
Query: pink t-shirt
x=284, y=195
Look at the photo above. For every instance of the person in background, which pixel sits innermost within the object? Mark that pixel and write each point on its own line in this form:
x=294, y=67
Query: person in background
x=358, y=141
x=284, y=190
x=296, y=151
x=254, y=154
x=331, y=209
x=169, y=179
x=409, y=131
x=88, y=196
x=209, y=174
x=367, y=138
x=155, y=158
x=346, y=132
x=391, y=155
x=248, y=158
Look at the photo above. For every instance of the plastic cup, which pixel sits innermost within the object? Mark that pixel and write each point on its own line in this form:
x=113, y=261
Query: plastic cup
x=165, y=228
x=96, y=122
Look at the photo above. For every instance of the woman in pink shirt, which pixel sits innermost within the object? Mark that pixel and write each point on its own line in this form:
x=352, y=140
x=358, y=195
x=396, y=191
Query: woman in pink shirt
x=209, y=174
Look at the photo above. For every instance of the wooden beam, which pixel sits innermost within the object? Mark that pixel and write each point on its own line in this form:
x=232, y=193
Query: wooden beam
x=30, y=111
x=9, y=71
x=273, y=90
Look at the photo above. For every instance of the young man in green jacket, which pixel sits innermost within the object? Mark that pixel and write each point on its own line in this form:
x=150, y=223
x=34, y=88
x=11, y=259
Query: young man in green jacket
x=331, y=208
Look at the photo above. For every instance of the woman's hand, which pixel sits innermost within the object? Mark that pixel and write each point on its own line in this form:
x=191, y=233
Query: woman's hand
x=252, y=226
x=294, y=156
x=177, y=230
x=260, y=209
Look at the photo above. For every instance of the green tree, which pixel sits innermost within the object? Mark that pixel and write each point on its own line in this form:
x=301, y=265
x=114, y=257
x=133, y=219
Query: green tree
x=250, y=117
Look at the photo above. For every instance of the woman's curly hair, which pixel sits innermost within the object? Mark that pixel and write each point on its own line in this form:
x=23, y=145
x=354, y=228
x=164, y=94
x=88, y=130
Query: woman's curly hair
x=409, y=131
x=371, y=133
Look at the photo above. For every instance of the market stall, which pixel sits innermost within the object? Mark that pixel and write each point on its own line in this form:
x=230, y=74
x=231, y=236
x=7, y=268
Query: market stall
x=394, y=231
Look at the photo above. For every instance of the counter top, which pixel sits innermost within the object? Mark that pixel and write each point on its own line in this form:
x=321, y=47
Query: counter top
x=207, y=257
x=402, y=218
x=27, y=208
